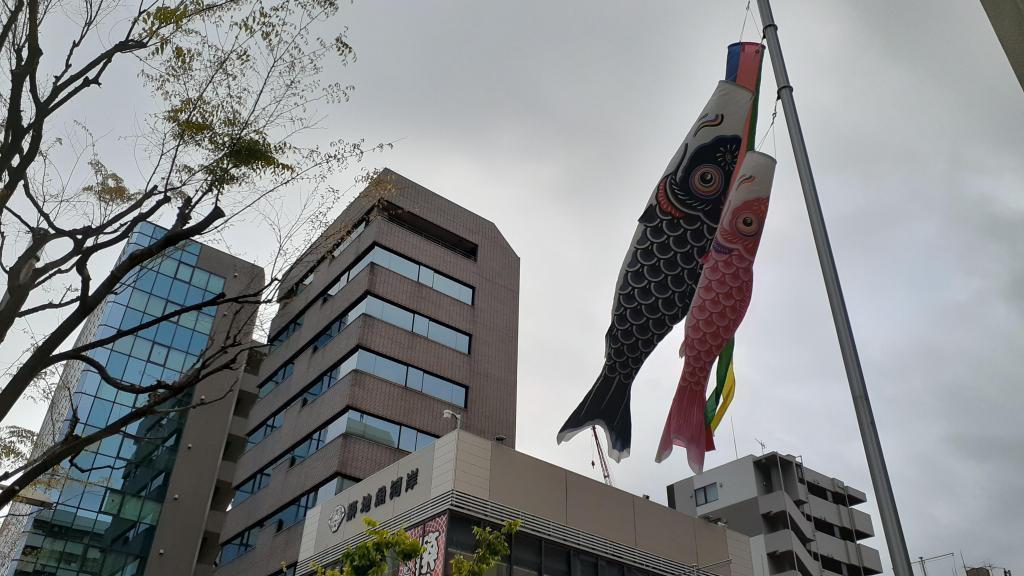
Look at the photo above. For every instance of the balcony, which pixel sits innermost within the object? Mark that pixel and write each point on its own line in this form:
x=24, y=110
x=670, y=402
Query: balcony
x=786, y=542
x=856, y=496
x=802, y=494
x=778, y=502
x=850, y=553
x=872, y=561
x=237, y=427
x=226, y=473
x=862, y=524
x=842, y=516
x=841, y=550
x=215, y=521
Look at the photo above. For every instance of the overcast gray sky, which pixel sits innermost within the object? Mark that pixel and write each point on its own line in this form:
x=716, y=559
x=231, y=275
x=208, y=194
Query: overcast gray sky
x=555, y=120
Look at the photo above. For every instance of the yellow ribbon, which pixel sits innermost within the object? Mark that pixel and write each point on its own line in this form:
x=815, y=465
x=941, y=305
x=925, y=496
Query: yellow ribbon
x=727, y=393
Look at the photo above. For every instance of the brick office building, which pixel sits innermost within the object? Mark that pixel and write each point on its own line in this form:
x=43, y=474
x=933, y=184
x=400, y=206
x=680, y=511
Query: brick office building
x=406, y=307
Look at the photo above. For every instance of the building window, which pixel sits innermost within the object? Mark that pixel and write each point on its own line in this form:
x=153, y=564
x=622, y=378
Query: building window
x=384, y=432
x=254, y=483
x=370, y=305
x=526, y=555
x=706, y=494
x=348, y=239
x=286, y=332
x=296, y=511
x=309, y=275
x=275, y=379
x=396, y=316
x=429, y=230
x=609, y=568
x=292, y=513
x=460, y=534
x=327, y=380
x=817, y=490
x=317, y=440
x=299, y=452
x=387, y=369
x=556, y=560
x=238, y=546
x=299, y=286
x=264, y=429
x=585, y=564
x=350, y=422
x=832, y=565
x=371, y=363
x=288, y=515
x=533, y=556
x=395, y=262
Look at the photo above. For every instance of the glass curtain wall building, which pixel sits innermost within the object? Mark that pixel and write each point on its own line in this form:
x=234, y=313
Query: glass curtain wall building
x=108, y=499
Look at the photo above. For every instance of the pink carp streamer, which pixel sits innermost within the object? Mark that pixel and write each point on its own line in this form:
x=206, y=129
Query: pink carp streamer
x=723, y=294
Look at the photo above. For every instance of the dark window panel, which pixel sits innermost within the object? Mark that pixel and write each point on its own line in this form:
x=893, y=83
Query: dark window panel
x=556, y=560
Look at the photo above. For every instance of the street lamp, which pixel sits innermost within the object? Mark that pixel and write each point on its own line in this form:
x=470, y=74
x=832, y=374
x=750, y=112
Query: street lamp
x=456, y=415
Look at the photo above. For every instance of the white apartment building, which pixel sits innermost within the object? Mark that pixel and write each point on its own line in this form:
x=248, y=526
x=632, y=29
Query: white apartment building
x=800, y=522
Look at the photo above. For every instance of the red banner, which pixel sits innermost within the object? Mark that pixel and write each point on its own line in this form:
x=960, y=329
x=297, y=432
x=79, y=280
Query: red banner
x=433, y=535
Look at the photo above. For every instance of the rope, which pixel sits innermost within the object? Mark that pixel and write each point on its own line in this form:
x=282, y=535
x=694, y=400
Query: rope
x=756, y=23
x=771, y=129
x=746, y=13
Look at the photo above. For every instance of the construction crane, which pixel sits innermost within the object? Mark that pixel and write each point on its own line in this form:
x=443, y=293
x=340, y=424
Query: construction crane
x=600, y=456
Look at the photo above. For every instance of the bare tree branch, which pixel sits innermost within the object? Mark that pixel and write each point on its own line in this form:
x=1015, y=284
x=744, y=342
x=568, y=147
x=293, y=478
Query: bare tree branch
x=156, y=404
x=236, y=84
x=57, y=305
x=39, y=359
x=116, y=383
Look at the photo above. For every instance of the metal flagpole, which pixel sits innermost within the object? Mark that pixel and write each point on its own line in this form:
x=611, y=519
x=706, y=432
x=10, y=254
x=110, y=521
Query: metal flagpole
x=861, y=404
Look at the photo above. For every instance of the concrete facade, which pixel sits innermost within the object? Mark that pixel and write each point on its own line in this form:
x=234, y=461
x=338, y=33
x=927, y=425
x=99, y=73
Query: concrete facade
x=433, y=266
x=601, y=530
x=800, y=522
x=184, y=525
x=1007, y=18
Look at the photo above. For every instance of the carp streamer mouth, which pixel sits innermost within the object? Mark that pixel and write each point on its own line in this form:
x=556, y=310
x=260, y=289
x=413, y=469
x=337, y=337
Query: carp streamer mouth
x=717, y=246
x=663, y=201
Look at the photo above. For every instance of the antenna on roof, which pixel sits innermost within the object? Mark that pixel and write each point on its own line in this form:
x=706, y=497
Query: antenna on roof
x=735, y=448
x=763, y=445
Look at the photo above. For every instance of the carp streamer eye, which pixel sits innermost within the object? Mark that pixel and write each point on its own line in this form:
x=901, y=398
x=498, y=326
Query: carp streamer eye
x=747, y=224
x=706, y=180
